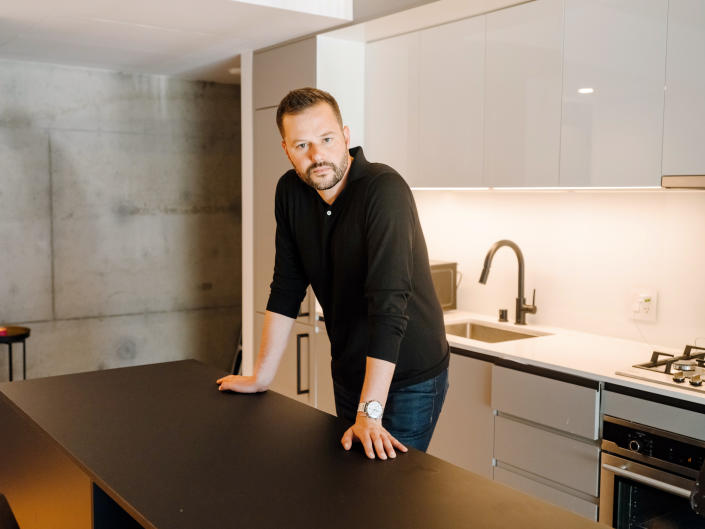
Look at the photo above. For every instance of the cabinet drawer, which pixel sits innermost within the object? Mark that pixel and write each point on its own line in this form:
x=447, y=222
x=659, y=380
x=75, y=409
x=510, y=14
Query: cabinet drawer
x=546, y=493
x=561, y=405
x=573, y=463
x=655, y=414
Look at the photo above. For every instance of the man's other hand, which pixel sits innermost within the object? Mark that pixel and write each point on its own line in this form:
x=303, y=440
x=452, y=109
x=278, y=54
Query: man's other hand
x=374, y=438
x=240, y=384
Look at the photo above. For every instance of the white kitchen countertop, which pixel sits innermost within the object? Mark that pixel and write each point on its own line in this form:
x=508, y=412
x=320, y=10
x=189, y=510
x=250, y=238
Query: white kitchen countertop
x=577, y=353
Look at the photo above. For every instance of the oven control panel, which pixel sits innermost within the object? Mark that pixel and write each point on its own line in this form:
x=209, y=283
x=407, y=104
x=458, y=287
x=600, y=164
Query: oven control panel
x=655, y=444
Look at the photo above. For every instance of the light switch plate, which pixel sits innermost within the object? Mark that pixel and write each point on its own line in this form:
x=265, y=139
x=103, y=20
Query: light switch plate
x=643, y=304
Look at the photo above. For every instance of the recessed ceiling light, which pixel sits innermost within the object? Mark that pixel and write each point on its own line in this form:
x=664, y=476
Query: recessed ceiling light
x=234, y=71
x=586, y=90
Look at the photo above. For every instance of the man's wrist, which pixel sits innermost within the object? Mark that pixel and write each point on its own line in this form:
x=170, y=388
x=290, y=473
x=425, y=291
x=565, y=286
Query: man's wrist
x=363, y=420
x=372, y=409
x=260, y=382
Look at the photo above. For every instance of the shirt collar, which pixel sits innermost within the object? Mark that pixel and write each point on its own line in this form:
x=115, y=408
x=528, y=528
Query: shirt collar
x=357, y=168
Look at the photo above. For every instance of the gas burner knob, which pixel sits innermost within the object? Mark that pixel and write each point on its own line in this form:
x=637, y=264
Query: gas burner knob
x=634, y=445
x=679, y=377
x=696, y=380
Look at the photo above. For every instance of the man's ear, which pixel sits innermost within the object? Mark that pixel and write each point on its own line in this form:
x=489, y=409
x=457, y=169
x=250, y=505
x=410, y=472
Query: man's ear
x=346, y=135
x=286, y=152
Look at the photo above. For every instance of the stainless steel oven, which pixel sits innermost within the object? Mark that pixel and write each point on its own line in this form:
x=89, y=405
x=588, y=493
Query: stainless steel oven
x=648, y=476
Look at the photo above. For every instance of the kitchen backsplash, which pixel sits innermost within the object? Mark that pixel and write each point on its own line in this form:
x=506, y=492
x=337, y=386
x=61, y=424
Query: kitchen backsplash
x=585, y=253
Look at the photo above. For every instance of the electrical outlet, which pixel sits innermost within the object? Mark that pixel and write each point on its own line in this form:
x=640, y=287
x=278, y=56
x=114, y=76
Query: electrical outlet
x=643, y=304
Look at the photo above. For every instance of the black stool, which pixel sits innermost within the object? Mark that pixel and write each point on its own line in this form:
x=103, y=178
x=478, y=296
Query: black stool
x=10, y=335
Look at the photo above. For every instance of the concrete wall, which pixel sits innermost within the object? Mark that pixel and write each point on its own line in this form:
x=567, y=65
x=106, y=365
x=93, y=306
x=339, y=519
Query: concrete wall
x=120, y=218
x=585, y=252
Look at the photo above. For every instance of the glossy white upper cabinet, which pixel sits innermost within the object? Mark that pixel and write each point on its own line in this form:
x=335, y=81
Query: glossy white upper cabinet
x=613, y=135
x=523, y=95
x=340, y=70
x=391, y=103
x=450, y=108
x=684, y=118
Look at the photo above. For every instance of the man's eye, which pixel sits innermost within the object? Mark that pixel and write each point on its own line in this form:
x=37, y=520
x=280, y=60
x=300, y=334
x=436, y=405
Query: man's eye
x=327, y=140
x=300, y=146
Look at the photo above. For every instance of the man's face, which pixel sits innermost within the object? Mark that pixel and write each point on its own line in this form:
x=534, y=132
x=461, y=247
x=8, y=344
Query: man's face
x=316, y=146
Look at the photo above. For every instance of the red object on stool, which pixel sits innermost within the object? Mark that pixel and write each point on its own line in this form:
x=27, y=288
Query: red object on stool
x=16, y=335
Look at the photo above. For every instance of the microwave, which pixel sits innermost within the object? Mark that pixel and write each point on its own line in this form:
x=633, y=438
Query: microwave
x=444, y=275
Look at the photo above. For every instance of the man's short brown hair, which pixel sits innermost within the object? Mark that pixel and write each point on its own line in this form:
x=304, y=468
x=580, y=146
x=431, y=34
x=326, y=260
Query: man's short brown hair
x=302, y=98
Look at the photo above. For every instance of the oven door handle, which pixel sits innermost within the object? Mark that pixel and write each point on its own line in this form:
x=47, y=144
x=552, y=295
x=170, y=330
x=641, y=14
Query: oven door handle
x=666, y=487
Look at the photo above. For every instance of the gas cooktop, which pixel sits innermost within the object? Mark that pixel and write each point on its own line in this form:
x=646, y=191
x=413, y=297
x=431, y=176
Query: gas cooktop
x=686, y=371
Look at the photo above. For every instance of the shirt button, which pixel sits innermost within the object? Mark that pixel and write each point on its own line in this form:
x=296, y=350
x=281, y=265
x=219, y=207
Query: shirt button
x=328, y=213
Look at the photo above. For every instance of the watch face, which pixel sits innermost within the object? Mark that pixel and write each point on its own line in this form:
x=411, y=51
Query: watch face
x=374, y=409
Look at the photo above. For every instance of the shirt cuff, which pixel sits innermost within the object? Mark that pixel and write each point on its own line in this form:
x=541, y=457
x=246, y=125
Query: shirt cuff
x=385, y=339
x=283, y=304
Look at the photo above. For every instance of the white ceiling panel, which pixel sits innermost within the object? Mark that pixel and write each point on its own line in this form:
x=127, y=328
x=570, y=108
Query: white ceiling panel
x=117, y=35
x=77, y=54
x=327, y=8
x=194, y=39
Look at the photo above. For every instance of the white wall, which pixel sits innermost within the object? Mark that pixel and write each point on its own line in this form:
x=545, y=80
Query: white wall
x=585, y=252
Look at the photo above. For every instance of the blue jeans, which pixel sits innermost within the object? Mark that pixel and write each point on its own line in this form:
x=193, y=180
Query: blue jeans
x=411, y=412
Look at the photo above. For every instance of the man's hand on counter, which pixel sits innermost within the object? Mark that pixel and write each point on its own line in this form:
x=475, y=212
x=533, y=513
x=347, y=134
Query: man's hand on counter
x=240, y=384
x=374, y=438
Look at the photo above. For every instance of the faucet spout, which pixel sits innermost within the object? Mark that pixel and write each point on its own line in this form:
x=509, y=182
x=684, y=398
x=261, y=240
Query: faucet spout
x=521, y=307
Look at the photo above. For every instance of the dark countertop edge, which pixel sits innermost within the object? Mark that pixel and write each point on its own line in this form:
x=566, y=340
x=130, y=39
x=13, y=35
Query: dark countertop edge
x=529, y=368
x=138, y=517
x=592, y=383
x=655, y=397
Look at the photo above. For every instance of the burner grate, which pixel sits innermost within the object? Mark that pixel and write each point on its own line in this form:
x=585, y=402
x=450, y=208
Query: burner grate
x=662, y=362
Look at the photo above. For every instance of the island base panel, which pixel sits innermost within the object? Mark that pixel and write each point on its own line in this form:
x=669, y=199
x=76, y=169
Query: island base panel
x=43, y=486
x=107, y=514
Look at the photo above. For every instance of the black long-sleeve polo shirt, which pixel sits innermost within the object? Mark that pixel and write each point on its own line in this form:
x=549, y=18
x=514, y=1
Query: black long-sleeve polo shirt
x=366, y=259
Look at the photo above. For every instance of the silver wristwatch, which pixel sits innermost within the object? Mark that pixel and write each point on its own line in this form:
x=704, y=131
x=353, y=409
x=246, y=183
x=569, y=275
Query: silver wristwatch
x=371, y=408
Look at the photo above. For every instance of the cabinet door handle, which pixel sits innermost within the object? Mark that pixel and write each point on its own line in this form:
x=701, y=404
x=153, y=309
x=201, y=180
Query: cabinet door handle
x=299, y=391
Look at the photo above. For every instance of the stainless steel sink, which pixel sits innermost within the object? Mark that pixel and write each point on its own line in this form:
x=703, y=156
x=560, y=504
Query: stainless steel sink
x=487, y=333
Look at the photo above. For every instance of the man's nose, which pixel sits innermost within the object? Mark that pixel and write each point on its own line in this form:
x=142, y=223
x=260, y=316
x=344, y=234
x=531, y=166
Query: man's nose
x=316, y=153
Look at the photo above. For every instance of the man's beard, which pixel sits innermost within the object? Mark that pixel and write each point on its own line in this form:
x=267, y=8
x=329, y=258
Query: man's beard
x=329, y=181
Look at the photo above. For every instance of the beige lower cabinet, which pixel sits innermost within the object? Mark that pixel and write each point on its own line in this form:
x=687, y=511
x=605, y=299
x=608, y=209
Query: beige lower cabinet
x=295, y=375
x=325, y=400
x=546, y=438
x=463, y=434
x=532, y=486
x=304, y=370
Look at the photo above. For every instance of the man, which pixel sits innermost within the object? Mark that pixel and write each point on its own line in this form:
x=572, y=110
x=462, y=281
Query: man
x=350, y=228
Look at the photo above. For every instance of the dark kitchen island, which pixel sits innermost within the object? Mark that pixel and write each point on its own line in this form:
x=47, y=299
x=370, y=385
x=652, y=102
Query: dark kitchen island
x=158, y=446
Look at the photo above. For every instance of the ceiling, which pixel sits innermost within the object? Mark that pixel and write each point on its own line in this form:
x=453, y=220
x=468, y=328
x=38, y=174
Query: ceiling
x=189, y=39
